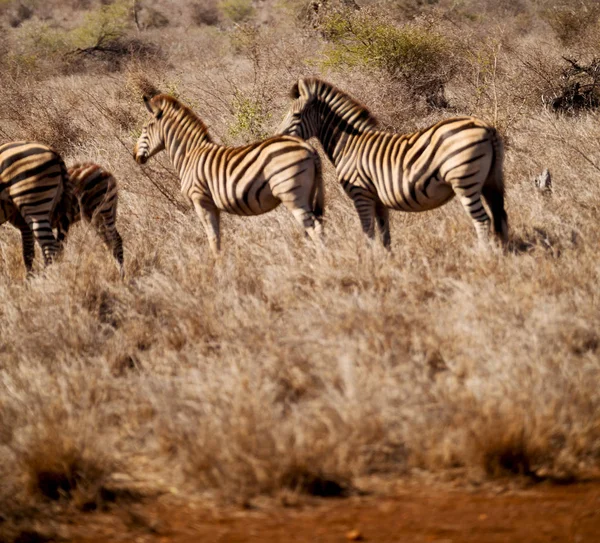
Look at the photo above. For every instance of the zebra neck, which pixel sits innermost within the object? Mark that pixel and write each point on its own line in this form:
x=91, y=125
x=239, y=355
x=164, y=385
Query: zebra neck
x=334, y=141
x=179, y=143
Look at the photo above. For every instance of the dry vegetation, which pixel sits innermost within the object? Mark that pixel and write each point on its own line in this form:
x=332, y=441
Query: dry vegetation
x=281, y=368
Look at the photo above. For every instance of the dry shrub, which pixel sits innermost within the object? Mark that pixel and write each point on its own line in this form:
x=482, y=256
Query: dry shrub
x=579, y=87
x=237, y=11
x=20, y=13
x=571, y=21
x=59, y=468
x=152, y=18
x=206, y=13
x=43, y=117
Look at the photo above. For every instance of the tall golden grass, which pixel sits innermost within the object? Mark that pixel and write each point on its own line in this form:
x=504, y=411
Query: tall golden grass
x=278, y=365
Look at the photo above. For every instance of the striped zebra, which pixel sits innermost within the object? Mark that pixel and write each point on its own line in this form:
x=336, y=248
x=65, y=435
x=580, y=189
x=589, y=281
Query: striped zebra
x=248, y=180
x=33, y=181
x=95, y=200
x=461, y=156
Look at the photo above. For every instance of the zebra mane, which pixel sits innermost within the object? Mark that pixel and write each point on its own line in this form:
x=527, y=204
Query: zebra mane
x=174, y=108
x=337, y=100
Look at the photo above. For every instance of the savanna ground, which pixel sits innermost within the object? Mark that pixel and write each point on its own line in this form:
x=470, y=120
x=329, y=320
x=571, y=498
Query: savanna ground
x=280, y=391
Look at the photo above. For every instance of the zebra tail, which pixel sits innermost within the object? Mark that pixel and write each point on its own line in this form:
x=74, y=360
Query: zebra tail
x=319, y=206
x=493, y=189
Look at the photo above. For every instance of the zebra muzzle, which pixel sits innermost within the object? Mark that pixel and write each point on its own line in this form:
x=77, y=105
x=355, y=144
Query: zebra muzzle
x=141, y=159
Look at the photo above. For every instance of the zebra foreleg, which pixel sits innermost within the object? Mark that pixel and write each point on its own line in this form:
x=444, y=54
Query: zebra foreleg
x=383, y=222
x=209, y=216
x=365, y=207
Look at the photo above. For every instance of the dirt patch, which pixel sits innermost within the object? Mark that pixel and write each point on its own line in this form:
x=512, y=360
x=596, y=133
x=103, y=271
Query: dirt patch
x=544, y=513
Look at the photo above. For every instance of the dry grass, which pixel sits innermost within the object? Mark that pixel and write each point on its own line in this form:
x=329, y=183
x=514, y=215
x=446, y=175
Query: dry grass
x=279, y=366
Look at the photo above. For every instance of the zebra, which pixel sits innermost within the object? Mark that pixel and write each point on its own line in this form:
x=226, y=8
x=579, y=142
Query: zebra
x=33, y=195
x=95, y=199
x=248, y=180
x=379, y=170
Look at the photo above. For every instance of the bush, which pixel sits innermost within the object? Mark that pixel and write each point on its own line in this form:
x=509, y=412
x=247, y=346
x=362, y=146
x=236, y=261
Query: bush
x=206, y=13
x=153, y=18
x=570, y=22
x=101, y=41
x=102, y=26
x=237, y=10
x=415, y=55
x=21, y=13
x=580, y=87
x=251, y=117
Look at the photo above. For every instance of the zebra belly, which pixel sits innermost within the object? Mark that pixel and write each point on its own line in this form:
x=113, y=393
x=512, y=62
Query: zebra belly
x=424, y=195
x=253, y=199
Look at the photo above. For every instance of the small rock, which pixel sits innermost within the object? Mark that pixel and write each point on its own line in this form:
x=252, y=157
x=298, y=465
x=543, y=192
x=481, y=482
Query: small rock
x=543, y=182
x=354, y=535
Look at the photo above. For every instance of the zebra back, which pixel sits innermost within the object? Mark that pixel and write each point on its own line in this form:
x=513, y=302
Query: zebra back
x=32, y=177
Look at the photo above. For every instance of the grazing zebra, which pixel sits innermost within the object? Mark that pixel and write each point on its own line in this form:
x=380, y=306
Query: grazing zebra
x=95, y=201
x=33, y=180
x=248, y=180
x=461, y=156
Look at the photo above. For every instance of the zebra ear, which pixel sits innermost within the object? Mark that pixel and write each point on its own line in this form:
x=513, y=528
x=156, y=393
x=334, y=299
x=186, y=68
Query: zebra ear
x=295, y=92
x=155, y=110
x=303, y=89
x=148, y=104
x=300, y=89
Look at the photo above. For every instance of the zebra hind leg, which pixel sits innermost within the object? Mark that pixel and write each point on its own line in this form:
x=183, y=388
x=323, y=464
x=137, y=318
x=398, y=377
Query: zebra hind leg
x=383, y=222
x=495, y=200
x=473, y=205
x=308, y=220
x=42, y=231
x=27, y=241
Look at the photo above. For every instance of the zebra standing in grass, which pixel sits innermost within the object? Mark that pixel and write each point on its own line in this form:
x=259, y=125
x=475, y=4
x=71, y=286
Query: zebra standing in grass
x=461, y=156
x=95, y=200
x=248, y=180
x=33, y=193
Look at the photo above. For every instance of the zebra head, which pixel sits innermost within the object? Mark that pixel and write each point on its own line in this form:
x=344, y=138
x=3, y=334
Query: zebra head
x=151, y=140
x=302, y=119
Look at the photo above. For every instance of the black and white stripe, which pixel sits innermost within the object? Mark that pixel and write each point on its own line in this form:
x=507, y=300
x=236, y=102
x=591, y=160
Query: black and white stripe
x=95, y=199
x=462, y=156
x=248, y=180
x=32, y=188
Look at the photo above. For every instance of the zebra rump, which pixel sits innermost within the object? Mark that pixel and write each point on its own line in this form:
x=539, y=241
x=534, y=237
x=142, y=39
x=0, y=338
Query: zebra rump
x=33, y=181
